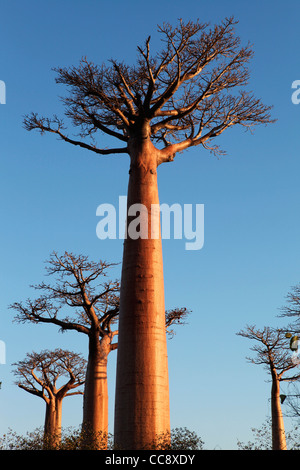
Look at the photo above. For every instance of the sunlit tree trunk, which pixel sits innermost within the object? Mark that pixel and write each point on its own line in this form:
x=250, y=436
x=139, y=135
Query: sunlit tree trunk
x=95, y=408
x=142, y=389
x=52, y=428
x=278, y=432
x=58, y=417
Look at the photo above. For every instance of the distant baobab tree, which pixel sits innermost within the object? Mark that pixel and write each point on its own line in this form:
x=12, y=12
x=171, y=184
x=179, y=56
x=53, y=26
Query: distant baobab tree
x=183, y=96
x=52, y=376
x=272, y=351
x=81, y=285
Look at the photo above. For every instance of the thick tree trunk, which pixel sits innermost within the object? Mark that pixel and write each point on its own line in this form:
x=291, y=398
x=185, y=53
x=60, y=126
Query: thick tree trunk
x=142, y=389
x=52, y=428
x=58, y=417
x=278, y=432
x=95, y=404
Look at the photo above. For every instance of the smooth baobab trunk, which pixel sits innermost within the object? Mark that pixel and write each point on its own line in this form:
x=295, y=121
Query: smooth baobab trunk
x=95, y=406
x=278, y=432
x=52, y=428
x=142, y=388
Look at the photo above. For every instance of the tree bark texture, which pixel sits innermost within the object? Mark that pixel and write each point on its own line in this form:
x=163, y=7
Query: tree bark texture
x=278, y=432
x=142, y=387
x=52, y=428
x=95, y=406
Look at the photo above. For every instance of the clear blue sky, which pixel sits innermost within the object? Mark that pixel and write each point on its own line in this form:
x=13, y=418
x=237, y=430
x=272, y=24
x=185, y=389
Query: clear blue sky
x=50, y=192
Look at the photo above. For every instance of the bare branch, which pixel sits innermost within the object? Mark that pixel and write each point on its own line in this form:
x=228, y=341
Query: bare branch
x=272, y=350
x=175, y=316
x=45, y=125
x=78, y=284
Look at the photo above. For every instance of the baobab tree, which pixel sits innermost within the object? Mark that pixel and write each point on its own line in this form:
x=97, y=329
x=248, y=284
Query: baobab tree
x=76, y=285
x=183, y=96
x=52, y=376
x=272, y=351
x=81, y=285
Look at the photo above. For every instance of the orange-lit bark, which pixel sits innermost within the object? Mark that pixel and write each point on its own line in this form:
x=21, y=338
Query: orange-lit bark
x=52, y=428
x=278, y=432
x=142, y=389
x=95, y=408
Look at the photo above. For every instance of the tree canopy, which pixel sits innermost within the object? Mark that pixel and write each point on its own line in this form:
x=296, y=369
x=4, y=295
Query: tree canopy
x=50, y=373
x=184, y=95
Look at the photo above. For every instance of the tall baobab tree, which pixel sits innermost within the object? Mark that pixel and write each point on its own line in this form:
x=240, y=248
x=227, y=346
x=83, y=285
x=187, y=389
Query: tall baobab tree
x=81, y=285
x=183, y=96
x=272, y=350
x=52, y=376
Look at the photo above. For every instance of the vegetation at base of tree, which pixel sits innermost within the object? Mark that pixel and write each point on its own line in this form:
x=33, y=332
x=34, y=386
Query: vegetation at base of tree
x=263, y=438
x=73, y=439
x=178, y=439
x=181, y=439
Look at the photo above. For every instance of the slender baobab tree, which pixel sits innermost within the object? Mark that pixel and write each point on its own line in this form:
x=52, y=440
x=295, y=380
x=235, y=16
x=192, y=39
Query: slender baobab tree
x=272, y=350
x=182, y=96
x=52, y=376
x=81, y=285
